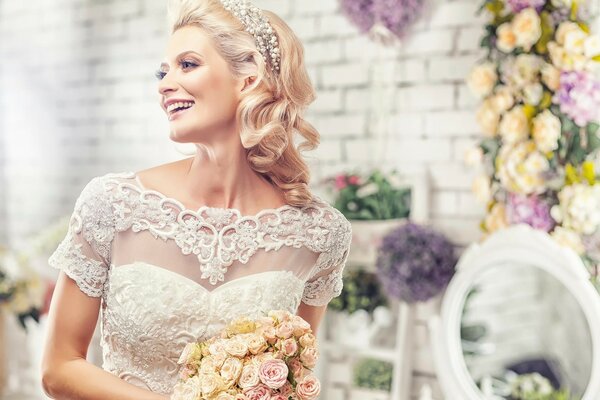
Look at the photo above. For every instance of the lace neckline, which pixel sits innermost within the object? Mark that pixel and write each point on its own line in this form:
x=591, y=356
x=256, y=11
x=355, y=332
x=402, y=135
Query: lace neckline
x=222, y=210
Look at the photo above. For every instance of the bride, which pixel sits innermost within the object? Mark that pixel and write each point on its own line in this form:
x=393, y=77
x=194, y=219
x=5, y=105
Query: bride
x=168, y=255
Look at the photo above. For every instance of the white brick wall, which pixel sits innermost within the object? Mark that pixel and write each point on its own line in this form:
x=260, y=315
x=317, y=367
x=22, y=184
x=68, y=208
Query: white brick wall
x=79, y=99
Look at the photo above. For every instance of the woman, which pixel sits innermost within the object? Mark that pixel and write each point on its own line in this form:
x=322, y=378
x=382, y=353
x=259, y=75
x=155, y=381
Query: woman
x=169, y=255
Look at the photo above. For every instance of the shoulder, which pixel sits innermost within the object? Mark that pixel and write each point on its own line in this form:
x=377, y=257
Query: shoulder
x=331, y=225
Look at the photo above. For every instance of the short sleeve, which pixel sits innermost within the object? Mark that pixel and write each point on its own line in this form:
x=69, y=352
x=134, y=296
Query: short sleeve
x=84, y=254
x=325, y=281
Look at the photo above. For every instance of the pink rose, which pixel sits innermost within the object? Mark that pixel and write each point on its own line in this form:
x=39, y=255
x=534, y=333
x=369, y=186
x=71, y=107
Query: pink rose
x=285, y=330
x=309, y=388
x=286, y=390
x=273, y=373
x=354, y=180
x=260, y=392
x=340, y=182
x=309, y=357
x=249, y=377
x=278, y=396
x=297, y=368
x=289, y=347
x=270, y=334
x=300, y=326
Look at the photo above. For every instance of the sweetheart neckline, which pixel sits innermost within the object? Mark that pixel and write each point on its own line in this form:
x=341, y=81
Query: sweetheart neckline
x=195, y=284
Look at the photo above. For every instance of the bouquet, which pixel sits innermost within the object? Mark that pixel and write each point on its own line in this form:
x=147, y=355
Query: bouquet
x=270, y=358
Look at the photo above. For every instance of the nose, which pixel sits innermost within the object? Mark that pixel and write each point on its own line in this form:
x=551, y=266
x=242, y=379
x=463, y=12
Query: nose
x=166, y=85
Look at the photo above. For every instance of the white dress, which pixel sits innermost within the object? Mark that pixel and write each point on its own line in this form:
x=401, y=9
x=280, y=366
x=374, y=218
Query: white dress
x=168, y=275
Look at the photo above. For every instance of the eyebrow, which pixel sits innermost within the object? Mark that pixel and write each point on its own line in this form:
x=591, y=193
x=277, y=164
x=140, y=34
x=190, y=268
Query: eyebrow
x=164, y=64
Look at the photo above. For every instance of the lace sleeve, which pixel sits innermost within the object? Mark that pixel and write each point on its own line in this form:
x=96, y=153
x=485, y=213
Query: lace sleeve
x=84, y=254
x=325, y=281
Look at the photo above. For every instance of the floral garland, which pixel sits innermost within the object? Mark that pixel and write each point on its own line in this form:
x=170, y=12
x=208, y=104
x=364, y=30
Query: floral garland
x=383, y=18
x=539, y=116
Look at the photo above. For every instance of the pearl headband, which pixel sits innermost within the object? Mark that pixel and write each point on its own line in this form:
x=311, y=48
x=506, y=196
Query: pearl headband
x=258, y=25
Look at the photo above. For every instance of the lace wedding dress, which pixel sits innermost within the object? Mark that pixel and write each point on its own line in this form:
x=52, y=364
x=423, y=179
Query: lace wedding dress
x=168, y=275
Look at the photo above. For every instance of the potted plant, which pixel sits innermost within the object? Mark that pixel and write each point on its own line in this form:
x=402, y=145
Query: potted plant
x=372, y=379
x=374, y=204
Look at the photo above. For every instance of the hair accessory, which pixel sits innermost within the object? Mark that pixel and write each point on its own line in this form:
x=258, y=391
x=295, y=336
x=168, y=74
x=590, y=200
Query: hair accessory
x=258, y=25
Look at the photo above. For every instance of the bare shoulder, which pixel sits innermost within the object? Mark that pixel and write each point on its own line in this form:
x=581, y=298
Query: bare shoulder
x=159, y=174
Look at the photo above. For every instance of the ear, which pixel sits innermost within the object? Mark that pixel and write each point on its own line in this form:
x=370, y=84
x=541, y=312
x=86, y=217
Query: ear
x=248, y=82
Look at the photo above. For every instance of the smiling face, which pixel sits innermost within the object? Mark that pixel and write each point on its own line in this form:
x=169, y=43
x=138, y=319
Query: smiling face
x=196, y=74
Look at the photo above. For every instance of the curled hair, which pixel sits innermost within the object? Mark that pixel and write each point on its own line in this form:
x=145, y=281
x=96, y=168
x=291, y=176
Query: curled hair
x=271, y=109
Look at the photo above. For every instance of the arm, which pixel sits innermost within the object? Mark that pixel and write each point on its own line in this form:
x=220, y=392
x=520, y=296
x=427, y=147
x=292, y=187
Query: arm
x=65, y=372
x=312, y=314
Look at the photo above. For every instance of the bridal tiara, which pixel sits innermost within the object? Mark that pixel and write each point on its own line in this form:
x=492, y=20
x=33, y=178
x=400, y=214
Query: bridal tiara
x=258, y=25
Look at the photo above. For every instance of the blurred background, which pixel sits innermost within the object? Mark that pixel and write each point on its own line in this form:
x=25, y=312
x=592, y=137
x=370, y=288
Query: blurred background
x=79, y=99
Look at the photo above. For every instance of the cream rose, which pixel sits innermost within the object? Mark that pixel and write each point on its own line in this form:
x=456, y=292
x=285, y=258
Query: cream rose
x=210, y=384
x=309, y=356
x=481, y=188
x=527, y=28
x=249, y=376
x=285, y=330
x=231, y=369
x=185, y=354
x=514, y=126
x=496, y=218
x=300, y=326
x=565, y=28
x=189, y=389
x=507, y=39
x=568, y=238
x=236, y=348
x=574, y=41
x=256, y=344
x=503, y=99
x=482, y=79
x=592, y=46
x=307, y=340
x=546, y=131
x=225, y=396
x=533, y=93
x=488, y=118
x=309, y=388
x=551, y=76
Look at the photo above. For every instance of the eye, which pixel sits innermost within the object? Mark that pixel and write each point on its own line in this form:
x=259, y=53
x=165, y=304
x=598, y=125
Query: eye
x=184, y=64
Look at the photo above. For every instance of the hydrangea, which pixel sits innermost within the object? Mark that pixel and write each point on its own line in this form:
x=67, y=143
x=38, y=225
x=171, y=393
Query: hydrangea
x=519, y=5
x=415, y=263
x=395, y=15
x=578, y=96
x=530, y=210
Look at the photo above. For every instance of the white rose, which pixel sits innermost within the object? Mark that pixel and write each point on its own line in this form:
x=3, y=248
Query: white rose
x=487, y=117
x=546, y=131
x=574, y=41
x=231, y=369
x=514, y=126
x=503, y=99
x=496, y=218
x=533, y=93
x=481, y=189
x=507, y=40
x=367, y=190
x=190, y=389
x=482, y=79
x=568, y=238
x=551, y=76
x=527, y=28
x=592, y=46
x=236, y=348
x=565, y=28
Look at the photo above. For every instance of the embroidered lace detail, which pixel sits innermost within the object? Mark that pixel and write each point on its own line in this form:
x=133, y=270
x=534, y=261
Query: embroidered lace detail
x=89, y=274
x=321, y=290
x=153, y=313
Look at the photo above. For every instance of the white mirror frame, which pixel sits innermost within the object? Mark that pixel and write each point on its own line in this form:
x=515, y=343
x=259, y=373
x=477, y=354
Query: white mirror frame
x=518, y=243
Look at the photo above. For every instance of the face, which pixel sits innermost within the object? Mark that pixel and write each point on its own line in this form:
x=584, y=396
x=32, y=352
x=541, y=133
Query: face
x=196, y=75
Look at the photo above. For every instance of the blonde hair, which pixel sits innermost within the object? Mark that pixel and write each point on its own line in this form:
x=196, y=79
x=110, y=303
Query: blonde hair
x=272, y=108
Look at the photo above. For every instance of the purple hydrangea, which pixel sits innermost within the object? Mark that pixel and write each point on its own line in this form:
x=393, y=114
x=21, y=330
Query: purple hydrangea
x=530, y=210
x=519, y=5
x=578, y=96
x=360, y=12
x=415, y=263
x=397, y=15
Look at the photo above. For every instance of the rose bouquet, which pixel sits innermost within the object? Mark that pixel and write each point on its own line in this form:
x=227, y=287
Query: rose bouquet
x=270, y=358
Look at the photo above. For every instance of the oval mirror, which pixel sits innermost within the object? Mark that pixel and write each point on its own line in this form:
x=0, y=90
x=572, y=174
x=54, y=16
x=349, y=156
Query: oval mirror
x=519, y=319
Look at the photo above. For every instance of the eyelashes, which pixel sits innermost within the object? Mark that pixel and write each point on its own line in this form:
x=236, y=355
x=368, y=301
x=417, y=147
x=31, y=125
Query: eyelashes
x=159, y=74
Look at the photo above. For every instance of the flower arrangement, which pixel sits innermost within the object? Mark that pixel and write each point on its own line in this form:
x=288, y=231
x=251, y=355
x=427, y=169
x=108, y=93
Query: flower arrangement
x=269, y=358
x=361, y=291
x=415, y=263
x=21, y=289
x=539, y=118
x=535, y=387
x=373, y=374
x=383, y=17
x=378, y=196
